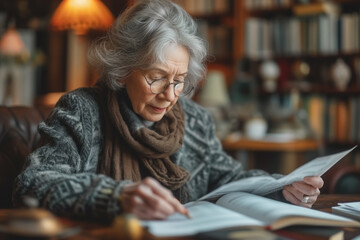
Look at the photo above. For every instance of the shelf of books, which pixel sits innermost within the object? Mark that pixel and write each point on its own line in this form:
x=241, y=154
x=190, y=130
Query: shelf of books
x=298, y=35
x=335, y=119
x=215, y=20
x=316, y=47
x=215, y=23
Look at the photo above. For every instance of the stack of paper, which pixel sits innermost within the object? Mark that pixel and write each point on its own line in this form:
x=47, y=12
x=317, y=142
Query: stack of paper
x=349, y=209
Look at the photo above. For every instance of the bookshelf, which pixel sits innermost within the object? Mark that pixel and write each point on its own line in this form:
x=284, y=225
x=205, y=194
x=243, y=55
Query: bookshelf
x=217, y=24
x=318, y=34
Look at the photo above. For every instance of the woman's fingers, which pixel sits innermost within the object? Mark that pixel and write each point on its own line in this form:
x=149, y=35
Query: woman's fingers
x=165, y=194
x=147, y=213
x=141, y=196
x=289, y=196
x=306, y=189
x=309, y=186
x=304, y=193
x=136, y=205
x=294, y=192
x=149, y=200
x=315, y=181
x=154, y=201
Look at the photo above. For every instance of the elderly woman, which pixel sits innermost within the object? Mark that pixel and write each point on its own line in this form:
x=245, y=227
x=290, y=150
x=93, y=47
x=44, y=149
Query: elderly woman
x=135, y=143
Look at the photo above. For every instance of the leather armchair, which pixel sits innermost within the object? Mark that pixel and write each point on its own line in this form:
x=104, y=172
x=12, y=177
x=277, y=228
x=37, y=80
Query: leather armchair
x=18, y=137
x=344, y=179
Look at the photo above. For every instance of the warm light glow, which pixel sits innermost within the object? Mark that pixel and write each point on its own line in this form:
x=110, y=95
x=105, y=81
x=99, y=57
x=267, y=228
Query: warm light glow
x=11, y=43
x=82, y=15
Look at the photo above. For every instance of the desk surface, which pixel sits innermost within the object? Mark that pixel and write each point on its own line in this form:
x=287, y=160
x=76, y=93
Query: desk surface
x=326, y=201
x=94, y=231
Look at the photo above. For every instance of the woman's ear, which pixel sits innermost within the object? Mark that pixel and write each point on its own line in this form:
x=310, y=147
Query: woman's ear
x=127, y=78
x=124, y=81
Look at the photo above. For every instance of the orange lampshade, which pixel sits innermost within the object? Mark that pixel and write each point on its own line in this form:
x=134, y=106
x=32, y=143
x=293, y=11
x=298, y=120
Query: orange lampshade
x=81, y=15
x=11, y=43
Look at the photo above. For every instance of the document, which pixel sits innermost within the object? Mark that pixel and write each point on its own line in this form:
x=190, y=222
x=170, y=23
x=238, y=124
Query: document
x=263, y=185
x=349, y=209
x=240, y=204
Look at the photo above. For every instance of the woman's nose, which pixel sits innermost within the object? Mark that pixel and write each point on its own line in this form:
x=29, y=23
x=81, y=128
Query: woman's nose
x=169, y=93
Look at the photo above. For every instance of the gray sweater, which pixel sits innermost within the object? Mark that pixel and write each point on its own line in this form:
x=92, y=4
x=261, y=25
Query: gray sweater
x=61, y=173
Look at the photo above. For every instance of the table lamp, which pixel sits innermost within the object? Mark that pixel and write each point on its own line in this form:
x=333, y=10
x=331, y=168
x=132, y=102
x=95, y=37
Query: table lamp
x=12, y=51
x=214, y=92
x=11, y=43
x=81, y=15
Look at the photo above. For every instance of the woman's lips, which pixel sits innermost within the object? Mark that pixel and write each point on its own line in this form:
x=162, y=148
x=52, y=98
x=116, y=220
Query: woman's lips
x=158, y=110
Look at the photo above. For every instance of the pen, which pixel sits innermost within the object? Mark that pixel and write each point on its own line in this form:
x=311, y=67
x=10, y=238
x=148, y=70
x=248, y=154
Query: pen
x=119, y=199
x=187, y=214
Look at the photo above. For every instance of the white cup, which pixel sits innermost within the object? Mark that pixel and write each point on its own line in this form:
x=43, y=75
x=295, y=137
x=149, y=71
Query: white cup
x=255, y=128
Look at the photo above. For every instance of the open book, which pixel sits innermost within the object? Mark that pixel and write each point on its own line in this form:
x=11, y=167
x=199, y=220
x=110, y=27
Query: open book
x=240, y=209
x=239, y=203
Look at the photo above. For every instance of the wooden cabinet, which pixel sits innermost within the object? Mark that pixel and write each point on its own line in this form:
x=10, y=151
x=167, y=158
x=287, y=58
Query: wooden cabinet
x=280, y=157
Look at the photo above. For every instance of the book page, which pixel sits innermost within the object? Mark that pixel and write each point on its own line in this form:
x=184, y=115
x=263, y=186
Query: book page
x=262, y=185
x=269, y=211
x=206, y=216
x=346, y=212
x=316, y=167
x=355, y=206
x=243, y=185
x=349, y=209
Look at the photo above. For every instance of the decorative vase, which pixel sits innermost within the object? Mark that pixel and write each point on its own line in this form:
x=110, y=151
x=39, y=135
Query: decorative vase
x=341, y=74
x=269, y=71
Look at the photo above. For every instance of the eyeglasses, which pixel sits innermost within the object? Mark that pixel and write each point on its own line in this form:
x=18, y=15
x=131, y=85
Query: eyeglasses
x=181, y=88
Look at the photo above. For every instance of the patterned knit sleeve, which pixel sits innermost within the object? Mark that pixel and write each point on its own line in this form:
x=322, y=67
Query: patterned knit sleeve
x=61, y=173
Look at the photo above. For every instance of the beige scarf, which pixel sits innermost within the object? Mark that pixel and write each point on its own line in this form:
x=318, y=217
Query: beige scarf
x=128, y=144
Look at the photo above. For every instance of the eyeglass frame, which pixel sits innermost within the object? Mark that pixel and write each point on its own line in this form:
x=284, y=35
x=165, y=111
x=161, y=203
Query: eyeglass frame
x=167, y=86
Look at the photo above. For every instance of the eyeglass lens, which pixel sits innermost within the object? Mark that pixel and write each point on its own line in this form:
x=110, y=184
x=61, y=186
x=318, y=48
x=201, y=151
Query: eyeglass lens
x=160, y=86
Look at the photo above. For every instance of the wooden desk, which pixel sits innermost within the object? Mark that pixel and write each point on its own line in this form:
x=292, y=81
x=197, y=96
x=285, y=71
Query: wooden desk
x=326, y=201
x=96, y=231
x=292, y=151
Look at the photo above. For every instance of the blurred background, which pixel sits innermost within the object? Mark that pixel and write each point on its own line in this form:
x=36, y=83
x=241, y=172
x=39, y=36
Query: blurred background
x=283, y=77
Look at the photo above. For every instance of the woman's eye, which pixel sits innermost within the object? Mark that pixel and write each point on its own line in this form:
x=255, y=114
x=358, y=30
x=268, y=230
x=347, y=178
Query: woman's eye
x=157, y=78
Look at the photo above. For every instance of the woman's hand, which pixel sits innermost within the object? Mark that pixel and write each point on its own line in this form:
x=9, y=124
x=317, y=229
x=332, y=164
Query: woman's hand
x=148, y=199
x=304, y=193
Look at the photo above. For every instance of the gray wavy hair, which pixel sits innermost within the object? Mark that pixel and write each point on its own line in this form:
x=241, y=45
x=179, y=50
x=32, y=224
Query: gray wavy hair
x=139, y=38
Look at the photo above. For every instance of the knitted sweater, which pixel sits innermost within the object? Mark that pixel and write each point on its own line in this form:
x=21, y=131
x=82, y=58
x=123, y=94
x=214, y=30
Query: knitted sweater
x=61, y=173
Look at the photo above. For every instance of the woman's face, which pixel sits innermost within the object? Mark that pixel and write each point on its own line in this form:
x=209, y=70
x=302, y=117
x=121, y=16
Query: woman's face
x=150, y=106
